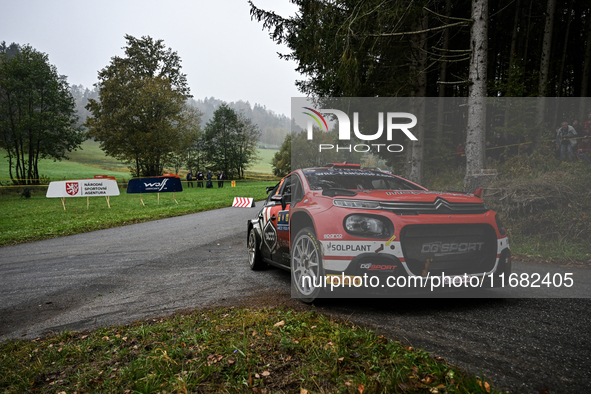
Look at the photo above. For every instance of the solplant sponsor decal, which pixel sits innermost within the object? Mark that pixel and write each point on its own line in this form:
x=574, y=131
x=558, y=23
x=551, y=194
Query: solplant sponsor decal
x=447, y=248
x=155, y=185
x=391, y=119
x=342, y=247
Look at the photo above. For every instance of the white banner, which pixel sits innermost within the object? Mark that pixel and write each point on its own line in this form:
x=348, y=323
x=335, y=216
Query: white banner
x=83, y=188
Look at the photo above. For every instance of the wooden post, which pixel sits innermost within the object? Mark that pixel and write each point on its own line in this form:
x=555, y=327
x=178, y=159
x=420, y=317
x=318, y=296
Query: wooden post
x=142, y=200
x=174, y=198
x=64, y=202
x=107, y=197
x=87, y=202
x=158, y=198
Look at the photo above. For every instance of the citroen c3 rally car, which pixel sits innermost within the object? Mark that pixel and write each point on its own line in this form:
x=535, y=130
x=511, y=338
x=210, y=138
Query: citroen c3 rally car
x=341, y=220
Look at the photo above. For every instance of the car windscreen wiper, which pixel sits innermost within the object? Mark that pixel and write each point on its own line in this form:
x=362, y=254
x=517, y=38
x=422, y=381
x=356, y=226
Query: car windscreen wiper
x=338, y=192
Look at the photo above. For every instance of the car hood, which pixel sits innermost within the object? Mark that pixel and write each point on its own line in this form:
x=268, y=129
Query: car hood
x=413, y=196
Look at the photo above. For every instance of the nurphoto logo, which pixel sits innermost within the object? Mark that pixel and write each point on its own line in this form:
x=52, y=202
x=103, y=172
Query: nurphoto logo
x=344, y=126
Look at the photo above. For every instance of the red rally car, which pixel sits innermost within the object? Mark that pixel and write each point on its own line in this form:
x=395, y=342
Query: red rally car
x=341, y=220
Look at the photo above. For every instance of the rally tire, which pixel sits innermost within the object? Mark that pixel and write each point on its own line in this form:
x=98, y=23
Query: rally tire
x=255, y=260
x=306, y=260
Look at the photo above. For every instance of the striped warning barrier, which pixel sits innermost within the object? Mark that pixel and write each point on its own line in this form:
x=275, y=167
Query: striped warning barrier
x=243, y=202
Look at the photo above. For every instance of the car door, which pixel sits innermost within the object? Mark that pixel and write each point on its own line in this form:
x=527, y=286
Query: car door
x=268, y=222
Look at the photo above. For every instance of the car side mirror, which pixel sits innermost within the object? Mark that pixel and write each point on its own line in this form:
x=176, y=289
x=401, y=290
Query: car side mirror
x=281, y=199
x=478, y=192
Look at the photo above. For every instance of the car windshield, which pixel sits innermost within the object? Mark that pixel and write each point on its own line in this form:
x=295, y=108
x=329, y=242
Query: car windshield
x=324, y=179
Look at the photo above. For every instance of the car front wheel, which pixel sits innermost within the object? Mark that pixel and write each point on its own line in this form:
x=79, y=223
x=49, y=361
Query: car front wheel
x=255, y=261
x=306, y=265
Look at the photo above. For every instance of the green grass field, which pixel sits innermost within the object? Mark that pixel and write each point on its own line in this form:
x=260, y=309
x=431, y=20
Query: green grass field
x=91, y=160
x=36, y=218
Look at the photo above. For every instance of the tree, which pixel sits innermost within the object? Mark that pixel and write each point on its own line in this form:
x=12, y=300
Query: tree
x=140, y=116
x=230, y=141
x=189, y=135
x=477, y=99
x=281, y=161
x=37, y=112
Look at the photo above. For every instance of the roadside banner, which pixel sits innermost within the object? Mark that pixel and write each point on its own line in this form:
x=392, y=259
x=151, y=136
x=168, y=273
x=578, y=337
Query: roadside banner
x=99, y=186
x=243, y=202
x=167, y=183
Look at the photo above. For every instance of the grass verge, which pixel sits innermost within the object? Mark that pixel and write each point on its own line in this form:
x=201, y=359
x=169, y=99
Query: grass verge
x=37, y=218
x=228, y=350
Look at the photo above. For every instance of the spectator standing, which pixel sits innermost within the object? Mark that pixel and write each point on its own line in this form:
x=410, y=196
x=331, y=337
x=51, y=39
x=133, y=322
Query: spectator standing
x=220, y=179
x=578, y=128
x=200, y=178
x=513, y=145
x=209, y=177
x=587, y=126
x=584, y=151
x=498, y=146
x=565, y=140
x=190, y=179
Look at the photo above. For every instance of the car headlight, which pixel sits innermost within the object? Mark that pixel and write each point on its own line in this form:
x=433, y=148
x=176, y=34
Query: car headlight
x=500, y=226
x=356, y=204
x=367, y=226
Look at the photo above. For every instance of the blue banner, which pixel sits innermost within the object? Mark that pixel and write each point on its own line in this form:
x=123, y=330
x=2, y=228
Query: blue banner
x=155, y=185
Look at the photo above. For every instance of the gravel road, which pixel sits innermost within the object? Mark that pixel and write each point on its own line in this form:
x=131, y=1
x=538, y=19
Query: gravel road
x=152, y=269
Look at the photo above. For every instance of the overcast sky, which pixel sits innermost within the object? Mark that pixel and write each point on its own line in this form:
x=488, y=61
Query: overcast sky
x=224, y=54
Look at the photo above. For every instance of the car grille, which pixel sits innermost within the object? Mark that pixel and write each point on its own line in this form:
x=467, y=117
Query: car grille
x=439, y=206
x=453, y=249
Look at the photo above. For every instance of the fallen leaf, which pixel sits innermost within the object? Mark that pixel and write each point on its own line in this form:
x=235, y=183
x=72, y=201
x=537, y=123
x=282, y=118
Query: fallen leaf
x=304, y=391
x=341, y=358
x=256, y=375
x=213, y=358
x=266, y=373
x=348, y=384
x=231, y=362
x=484, y=385
x=279, y=324
x=360, y=388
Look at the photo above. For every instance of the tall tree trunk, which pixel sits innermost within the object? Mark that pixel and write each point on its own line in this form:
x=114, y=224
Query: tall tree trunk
x=583, y=110
x=512, y=56
x=416, y=151
x=564, y=48
x=442, y=78
x=476, y=128
x=544, y=70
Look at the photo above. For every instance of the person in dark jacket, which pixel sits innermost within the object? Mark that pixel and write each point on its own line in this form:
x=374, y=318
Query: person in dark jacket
x=190, y=179
x=209, y=177
x=200, y=178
